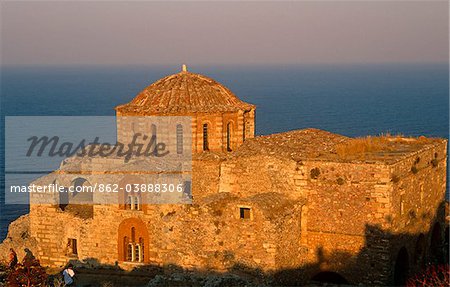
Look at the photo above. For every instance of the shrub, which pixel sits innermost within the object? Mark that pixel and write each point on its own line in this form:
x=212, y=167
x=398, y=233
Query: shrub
x=373, y=144
x=364, y=145
x=29, y=274
x=437, y=276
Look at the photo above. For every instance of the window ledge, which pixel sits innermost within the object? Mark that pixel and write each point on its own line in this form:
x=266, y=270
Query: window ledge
x=133, y=263
x=133, y=210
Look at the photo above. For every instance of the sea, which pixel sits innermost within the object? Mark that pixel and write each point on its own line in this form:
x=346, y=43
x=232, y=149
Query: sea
x=352, y=100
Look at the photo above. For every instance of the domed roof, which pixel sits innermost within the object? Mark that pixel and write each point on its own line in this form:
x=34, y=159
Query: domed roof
x=184, y=93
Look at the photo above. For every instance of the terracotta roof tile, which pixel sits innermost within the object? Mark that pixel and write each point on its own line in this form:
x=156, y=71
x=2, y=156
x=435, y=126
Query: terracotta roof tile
x=182, y=93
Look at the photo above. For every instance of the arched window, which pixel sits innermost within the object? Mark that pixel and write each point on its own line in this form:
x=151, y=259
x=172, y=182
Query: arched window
x=179, y=139
x=78, y=184
x=135, y=249
x=132, y=236
x=130, y=253
x=130, y=200
x=205, y=137
x=187, y=192
x=229, y=137
x=129, y=204
x=153, y=130
x=137, y=252
x=126, y=241
x=153, y=140
x=141, y=250
x=137, y=203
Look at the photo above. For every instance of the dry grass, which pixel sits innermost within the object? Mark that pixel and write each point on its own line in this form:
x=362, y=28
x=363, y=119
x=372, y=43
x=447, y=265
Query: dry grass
x=370, y=144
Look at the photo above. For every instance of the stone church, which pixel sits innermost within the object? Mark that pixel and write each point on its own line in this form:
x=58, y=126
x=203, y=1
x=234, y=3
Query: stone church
x=295, y=206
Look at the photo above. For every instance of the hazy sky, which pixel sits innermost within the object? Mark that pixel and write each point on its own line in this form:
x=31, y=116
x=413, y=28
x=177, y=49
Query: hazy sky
x=115, y=33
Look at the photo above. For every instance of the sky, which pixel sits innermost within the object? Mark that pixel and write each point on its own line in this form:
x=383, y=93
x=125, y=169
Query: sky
x=211, y=33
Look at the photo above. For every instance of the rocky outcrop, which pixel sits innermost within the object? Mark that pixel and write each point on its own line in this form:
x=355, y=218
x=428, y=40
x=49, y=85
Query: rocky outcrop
x=19, y=239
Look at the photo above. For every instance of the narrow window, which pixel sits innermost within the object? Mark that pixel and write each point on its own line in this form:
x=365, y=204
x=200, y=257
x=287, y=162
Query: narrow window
x=187, y=189
x=137, y=252
x=179, y=139
x=136, y=203
x=129, y=204
x=134, y=250
x=130, y=252
x=402, y=206
x=72, y=245
x=244, y=213
x=141, y=254
x=229, y=137
x=205, y=137
x=153, y=139
x=243, y=131
x=133, y=234
x=153, y=130
x=125, y=248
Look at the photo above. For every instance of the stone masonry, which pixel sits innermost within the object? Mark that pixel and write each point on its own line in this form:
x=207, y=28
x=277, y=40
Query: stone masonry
x=294, y=206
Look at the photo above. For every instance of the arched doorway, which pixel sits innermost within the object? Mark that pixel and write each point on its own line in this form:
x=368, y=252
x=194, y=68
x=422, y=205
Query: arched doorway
x=436, y=250
x=133, y=241
x=401, y=267
x=419, y=251
x=82, y=193
x=329, y=277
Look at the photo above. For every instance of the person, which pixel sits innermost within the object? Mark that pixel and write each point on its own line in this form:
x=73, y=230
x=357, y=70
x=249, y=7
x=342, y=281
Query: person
x=12, y=259
x=28, y=258
x=68, y=275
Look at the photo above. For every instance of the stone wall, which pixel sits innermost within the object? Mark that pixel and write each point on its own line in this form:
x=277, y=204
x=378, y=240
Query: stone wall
x=249, y=124
x=344, y=197
x=205, y=175
x=207, y=236
x=306, y=216
x=343, y=200
x=418, y=196
x=250, y=175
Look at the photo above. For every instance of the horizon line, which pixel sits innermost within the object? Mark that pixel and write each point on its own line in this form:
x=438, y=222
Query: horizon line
x=224, y=64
